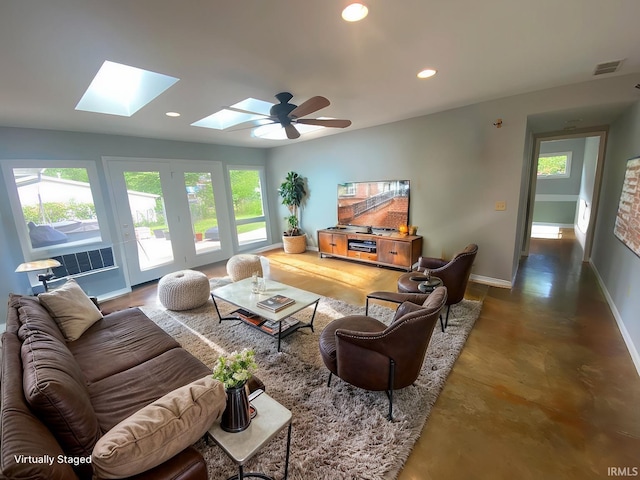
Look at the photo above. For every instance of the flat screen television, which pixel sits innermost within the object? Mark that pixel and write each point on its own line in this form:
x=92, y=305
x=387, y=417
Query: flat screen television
x=381, y=205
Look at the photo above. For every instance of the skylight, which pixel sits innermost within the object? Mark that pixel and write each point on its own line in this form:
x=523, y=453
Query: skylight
x=228, y=117
x=119, y=89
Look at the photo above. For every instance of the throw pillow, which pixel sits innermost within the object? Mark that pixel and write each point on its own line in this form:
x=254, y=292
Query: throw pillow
x=160, y=430
x=71, y=308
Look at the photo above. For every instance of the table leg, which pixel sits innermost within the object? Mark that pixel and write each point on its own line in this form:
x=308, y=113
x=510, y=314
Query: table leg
x=313, y=316
x=279, y=334
x=220, y=317
x=286, y=461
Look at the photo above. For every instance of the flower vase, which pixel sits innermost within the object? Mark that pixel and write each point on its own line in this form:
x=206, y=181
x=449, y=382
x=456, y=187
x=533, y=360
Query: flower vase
x=236, y=416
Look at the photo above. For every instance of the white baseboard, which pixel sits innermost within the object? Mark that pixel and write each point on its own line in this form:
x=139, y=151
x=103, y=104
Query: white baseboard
x=554, y=224
x=633, y=351
x=273, y=246
x=492, y=282
x=114, y=294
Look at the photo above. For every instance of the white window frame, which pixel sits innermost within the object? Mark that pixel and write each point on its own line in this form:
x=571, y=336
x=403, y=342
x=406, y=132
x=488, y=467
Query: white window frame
x=265, y=208
x=555, y=154
x=22, y=230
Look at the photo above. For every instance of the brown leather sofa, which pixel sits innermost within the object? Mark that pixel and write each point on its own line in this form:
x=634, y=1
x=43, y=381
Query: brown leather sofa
x=122, y=363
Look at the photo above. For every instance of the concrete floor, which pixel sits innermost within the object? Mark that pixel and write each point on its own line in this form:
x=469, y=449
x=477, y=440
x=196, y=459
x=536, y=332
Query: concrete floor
x=545, y=387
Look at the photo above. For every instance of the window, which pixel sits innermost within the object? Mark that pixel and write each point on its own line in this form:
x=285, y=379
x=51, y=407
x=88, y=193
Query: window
x=554, y=165
x=54, y=206
x=248, y=205
x=202, y=209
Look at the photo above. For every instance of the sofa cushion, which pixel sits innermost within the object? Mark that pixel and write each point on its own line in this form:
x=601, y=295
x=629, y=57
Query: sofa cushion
x=127, y=338
x=34, y=316
x=71, y=308
x=54, y=388
x=118, y=396
x=22, y=433
x=160, y=430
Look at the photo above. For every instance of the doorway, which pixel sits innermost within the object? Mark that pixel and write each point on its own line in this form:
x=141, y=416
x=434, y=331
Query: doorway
x=170, y=215
x=565, y=186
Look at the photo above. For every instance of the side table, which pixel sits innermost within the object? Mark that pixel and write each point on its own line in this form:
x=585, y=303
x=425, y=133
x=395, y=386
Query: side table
x=271, y=418
x=429, y=285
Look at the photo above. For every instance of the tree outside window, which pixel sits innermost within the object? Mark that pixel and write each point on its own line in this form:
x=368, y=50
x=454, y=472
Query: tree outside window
x=554, y=165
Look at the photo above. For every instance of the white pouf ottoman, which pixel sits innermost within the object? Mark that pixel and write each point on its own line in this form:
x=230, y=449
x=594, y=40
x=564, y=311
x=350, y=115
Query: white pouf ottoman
x=183, y=290
x=243, y=266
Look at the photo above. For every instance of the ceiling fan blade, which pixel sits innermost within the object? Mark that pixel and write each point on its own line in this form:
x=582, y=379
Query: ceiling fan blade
x=248, y=112
x=250, y=124
x=335, y=123
x=312, y=105
x=292, y=133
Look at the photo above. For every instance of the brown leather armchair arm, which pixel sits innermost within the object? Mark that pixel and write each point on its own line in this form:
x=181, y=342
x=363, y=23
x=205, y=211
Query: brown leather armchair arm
x=430, y=263
x=394, y=297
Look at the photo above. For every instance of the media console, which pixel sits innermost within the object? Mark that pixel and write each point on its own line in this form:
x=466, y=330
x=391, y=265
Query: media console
x=388, y=249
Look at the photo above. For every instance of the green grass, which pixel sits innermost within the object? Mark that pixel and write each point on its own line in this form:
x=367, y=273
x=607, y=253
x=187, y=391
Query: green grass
x=201, y=226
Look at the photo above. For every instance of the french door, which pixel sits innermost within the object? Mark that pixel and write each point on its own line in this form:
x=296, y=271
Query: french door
x=171, y=215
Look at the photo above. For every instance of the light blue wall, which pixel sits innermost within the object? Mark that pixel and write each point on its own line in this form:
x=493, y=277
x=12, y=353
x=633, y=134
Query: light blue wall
x=563, y=186
x=556, y=213
x=617, y=266
x=19, y=143
x=558, y=210
x=459, y=165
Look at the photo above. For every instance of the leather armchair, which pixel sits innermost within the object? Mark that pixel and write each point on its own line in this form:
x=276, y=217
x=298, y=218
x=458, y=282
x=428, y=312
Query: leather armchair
x=454, y=274
x=371, y=355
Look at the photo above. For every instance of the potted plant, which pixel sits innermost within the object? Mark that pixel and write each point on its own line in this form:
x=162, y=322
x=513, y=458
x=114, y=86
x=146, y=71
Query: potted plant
x=233, y=370
x=293, y=192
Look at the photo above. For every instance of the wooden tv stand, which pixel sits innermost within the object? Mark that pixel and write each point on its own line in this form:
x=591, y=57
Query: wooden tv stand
x=388, y=249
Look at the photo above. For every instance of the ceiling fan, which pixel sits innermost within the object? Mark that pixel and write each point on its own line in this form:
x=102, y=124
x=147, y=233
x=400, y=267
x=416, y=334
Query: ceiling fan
x=288, y=115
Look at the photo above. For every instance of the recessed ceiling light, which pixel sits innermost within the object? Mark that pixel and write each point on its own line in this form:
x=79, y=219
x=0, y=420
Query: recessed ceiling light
x=172, y=114
x=355, y=12
x=119, y=89
x=427, y=73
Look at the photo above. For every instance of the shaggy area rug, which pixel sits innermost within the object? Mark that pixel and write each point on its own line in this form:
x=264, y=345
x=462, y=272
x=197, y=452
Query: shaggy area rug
x=339, y=432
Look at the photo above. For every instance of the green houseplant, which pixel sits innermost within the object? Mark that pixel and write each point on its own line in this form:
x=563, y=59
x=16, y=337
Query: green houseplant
x=293, y=191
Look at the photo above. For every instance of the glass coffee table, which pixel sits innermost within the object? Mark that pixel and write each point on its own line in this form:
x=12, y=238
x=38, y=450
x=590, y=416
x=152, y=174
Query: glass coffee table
x=270, y=419
x=280, y=324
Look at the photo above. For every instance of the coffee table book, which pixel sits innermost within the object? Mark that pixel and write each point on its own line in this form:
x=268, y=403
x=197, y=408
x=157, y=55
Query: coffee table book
x=275, y=303
x=272, y=326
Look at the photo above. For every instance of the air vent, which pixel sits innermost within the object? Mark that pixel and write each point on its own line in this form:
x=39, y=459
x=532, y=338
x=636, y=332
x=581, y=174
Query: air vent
x=608, y=67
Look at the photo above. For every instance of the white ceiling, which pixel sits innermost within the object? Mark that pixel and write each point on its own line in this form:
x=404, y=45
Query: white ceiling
x=226, y=50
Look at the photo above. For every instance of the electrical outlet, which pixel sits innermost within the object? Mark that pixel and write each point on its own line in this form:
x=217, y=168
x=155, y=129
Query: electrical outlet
x=501, y=205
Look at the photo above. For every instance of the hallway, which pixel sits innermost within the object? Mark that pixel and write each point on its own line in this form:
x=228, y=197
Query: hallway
x=544, y=389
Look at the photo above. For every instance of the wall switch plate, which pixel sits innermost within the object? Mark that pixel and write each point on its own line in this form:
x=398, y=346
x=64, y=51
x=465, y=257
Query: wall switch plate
x=501, y=205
